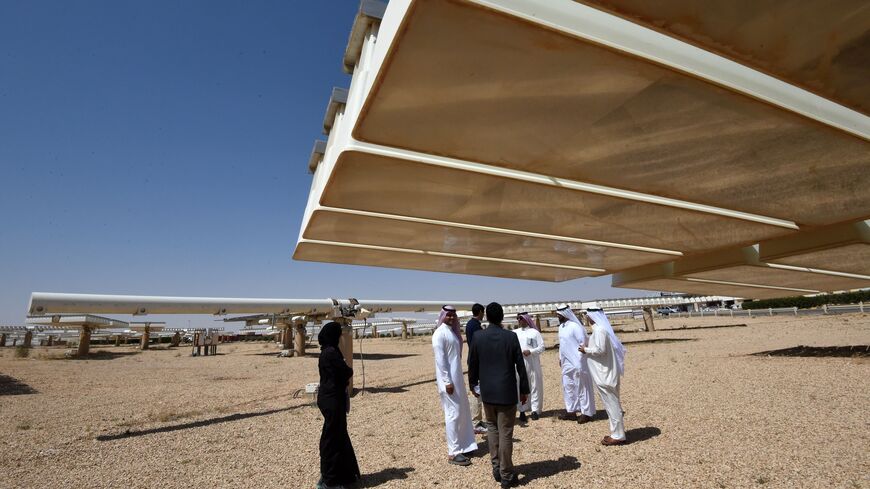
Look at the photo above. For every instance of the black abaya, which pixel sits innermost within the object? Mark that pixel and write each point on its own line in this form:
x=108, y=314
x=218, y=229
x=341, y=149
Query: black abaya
x=338, y=463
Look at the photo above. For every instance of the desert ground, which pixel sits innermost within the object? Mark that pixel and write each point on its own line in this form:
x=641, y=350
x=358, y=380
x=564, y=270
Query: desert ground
x=701, y=411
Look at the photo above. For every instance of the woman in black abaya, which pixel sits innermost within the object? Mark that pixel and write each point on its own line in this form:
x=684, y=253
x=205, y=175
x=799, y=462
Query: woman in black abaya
x=338, y=464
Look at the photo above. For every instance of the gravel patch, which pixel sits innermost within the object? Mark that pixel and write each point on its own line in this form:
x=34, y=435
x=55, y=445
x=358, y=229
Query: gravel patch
x=701, y=413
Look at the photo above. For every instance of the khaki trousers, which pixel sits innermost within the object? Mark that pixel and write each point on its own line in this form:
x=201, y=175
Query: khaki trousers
x=476, y=409
x=500, y=437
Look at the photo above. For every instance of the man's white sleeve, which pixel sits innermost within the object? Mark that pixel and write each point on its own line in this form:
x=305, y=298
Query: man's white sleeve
x=539, y=340
x=596, y=342
x=442, y=364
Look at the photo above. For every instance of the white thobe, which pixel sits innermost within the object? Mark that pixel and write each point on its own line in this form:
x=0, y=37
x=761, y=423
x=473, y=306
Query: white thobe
x=604, y=370
x=448, y=370
x=577, y=384
x=531, y=340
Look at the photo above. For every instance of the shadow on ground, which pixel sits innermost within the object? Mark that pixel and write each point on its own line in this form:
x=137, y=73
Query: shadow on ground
x=384, y=476
x=545, y=468
x=101, y=355
x=552, y=413
x=658, y=340
x=637, y=435
x=197, y=424
x=276, y=353
x=395, y=389
x=852, y=351
x=10, y=386
x=382, y=356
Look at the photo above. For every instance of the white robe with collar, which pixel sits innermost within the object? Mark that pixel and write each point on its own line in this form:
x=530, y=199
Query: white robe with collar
x=531, y=339
x=448, y=370
x=577, y=385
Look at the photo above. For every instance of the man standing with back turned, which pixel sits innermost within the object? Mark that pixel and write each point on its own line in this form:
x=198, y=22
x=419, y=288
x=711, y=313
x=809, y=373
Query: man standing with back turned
x=495, y=361
x=606, y=357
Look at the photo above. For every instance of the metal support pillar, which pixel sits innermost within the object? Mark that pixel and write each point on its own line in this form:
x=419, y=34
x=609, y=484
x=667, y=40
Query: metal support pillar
x=287, y=337
x=28, y=339
x=404, y=330
x=146, y=337
x=50, y=341
x=648, y=319
x=84, y=341
x=299, y=341
x=117, y=340
x=3, y=339
x=538, y=322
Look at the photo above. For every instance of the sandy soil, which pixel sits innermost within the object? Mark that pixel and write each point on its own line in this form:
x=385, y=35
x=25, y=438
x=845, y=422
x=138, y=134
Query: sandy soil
x=701, y=413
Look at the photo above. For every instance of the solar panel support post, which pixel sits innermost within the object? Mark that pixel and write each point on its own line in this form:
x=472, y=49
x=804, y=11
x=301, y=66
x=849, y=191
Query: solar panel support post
x=146, y=337
x=84, y=341
x=648, y=319
x=287, y=336
x=299, y=340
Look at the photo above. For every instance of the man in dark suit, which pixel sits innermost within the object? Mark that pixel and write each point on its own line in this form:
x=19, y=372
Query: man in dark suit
x=495, y=361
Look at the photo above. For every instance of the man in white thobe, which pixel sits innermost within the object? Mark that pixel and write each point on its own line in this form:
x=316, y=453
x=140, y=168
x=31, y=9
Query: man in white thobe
x=577, y=385
x=532, y=345
x=606, y=358
x=447, y=346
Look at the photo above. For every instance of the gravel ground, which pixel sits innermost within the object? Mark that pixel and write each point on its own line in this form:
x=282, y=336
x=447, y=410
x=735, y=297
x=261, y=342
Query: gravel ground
x=701, y=413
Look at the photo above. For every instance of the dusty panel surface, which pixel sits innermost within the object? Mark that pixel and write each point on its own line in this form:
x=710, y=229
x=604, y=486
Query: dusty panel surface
x=388, y=185
x=850, y=259
x=676, y=285
x=336, y=226
x=821, y=45
x=782, y=278
x=465, y=82
x=420, y=261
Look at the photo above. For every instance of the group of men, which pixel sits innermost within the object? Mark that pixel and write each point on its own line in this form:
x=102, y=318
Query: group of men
x=505, y=375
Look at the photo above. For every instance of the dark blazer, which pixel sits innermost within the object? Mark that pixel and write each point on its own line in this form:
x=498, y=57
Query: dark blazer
x=471, y=327
x=495, y=360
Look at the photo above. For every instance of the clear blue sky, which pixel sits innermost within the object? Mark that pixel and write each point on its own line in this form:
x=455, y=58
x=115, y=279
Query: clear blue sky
x=156, y=147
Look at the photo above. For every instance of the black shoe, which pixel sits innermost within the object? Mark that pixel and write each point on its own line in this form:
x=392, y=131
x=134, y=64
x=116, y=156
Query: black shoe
x=496, y=474
x=535, y=416
x=460, y=460
x=509, y=482
x=523, y=418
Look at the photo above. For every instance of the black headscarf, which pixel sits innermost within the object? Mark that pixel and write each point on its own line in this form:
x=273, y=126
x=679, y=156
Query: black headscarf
x=329, y=335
